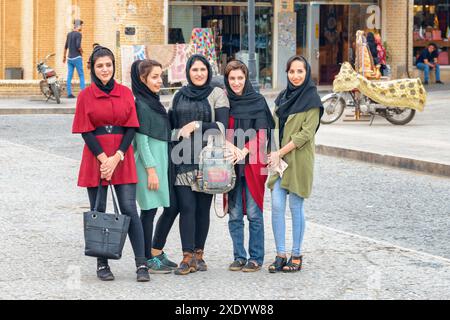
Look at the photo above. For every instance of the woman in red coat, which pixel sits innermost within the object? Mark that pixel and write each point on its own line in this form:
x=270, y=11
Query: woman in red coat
x=250, y=121
x=106, y=117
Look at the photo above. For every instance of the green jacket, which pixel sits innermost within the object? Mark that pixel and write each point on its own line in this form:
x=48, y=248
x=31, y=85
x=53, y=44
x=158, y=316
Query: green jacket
x=301, y=129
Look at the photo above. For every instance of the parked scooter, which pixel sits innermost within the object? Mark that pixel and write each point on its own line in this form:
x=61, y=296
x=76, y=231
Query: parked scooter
x=50, y=86
x=397, y=100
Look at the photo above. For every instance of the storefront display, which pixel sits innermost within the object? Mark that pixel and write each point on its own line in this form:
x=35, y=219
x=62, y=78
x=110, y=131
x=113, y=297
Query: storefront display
x=228, y=23
x=432, y=24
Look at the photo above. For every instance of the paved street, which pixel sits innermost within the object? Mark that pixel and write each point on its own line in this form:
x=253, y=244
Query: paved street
x=373, y=232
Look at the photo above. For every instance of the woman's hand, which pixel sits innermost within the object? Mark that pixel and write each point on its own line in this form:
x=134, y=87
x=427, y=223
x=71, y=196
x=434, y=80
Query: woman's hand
x=107, y=168
x=274, y=159
x=187, y=130
x=241, y=154
x=152, y=179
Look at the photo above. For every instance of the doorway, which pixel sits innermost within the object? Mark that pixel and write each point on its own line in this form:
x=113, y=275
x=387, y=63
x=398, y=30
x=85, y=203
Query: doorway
x=326, y=35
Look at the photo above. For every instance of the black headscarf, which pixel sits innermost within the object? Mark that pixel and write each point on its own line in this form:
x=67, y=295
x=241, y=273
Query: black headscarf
x=192, y=91
x=372, y=47
x=99, y=52
x=153, y=118
x=249, y=106
x=294, y=99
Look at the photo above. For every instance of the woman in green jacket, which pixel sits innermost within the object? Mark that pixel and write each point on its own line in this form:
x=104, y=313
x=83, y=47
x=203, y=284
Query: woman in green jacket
x=297, y=117
x=152, y=163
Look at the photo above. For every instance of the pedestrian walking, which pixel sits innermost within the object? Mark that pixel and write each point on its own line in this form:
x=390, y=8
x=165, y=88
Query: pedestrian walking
x=250, y=121
x=106, y=117
x=153, y=163
x=297, y=117
x=191, y=114
x=75, y=58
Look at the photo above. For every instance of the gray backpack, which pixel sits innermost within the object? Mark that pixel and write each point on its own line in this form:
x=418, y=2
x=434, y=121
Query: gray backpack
x=215, y=175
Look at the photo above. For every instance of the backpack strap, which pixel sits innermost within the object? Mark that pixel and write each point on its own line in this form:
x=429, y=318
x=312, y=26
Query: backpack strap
x=215, y=209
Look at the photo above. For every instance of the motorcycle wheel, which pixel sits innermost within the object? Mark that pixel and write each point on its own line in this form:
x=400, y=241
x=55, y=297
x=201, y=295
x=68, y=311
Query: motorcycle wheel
x=334, y=108
x=400, y=116
x=45, y=89
x=56, y=93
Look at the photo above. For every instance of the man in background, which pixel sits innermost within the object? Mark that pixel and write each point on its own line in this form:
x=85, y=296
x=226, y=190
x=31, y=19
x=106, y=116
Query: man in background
x=428, y=61
x=75, y=59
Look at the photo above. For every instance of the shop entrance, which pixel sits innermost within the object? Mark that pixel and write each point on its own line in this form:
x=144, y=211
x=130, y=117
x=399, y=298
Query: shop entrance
x=326, y=35
x=228, y=24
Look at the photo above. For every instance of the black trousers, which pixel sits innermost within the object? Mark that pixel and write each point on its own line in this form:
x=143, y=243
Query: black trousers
x=163, y=226
x=126, y=196
x=194, y=217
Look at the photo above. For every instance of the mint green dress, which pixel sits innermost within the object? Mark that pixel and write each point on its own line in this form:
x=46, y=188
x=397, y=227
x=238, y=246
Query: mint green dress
x=151, y=153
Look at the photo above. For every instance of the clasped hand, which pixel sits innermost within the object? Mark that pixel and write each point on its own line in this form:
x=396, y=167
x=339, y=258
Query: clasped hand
x=234, y=154
x=108, y=166
x=187, y=130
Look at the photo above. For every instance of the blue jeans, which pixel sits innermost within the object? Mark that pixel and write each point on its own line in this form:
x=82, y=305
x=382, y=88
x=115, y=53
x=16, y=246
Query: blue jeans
x=72, y=64
x=279, y=196
x=426, y=70
x=256, y=226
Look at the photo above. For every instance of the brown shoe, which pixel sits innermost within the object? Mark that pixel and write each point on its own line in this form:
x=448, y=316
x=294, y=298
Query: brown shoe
x=188, y=264
x=201, y=264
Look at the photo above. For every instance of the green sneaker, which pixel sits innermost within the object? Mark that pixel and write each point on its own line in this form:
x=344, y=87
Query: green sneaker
x=165, y=261
x=155, y=266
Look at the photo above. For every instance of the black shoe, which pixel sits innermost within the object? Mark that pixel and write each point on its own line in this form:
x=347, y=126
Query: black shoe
x=278, y=264
x=251, y=266
x=439, y=81
x=237, y=265
x=425, y=82
x=71, y=96
x=293, y=267
x=104, y=273
x=142, y=274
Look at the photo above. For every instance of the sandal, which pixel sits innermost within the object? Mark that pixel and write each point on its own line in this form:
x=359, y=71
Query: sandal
x=293, y=267
x=278, y=264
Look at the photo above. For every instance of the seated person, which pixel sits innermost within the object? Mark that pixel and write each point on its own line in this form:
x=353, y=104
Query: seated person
x=364, y=63
x=428, y=60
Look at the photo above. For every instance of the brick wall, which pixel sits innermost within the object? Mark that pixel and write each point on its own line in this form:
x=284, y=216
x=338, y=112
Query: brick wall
x=11, y=27
x=48, y=25
x=396, y=22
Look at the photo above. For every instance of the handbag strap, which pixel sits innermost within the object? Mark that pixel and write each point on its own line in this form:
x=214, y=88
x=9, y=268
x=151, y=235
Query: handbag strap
x=114, y=196
x=215, y=209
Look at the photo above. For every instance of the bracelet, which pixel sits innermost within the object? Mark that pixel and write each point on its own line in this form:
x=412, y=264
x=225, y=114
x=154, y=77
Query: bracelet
x=122, y=156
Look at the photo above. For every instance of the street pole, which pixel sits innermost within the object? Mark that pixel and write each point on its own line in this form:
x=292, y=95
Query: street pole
x=251, y=45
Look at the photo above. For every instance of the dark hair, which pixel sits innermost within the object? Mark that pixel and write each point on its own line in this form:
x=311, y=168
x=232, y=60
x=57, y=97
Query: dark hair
x=236, y=65
x=100, y=52
x=434, y=45
x=95, y=45
x=295, y=58
x=146, y=67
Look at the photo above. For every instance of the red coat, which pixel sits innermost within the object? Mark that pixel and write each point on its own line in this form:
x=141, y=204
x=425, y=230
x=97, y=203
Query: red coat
x=256, y=172
x=95, y=109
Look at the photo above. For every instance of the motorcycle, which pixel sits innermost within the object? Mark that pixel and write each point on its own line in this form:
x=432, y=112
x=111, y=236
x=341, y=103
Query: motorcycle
x=335, y=103
x=394, y=100
x=49, y=86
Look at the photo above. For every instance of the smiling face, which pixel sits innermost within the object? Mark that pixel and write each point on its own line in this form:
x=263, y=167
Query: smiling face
x=104, y=69
x=297, y=73
x=154, y=80
x=198, y=73
x=236, y=79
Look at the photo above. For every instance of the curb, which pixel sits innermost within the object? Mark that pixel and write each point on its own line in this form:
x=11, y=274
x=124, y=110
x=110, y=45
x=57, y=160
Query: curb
x=437, y=169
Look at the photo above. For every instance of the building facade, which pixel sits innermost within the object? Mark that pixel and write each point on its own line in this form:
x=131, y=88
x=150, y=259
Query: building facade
x=322, y=31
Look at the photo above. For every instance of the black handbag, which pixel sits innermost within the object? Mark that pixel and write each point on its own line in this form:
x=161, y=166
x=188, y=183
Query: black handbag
x=105, y=233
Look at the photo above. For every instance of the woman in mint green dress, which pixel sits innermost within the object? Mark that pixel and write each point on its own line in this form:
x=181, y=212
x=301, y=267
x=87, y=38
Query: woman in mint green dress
x=152, y=162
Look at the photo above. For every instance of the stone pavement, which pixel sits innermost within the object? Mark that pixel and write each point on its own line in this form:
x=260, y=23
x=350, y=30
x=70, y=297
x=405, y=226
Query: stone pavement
x=42, y=249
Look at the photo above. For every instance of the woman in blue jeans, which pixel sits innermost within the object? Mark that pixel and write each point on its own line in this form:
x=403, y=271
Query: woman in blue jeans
x=250, y=119
x=297, y=117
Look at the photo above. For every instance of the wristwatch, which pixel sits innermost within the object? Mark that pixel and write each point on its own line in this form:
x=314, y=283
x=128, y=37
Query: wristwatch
x=122, y=156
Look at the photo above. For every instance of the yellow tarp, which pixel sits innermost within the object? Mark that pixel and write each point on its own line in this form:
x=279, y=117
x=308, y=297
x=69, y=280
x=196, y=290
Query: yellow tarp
x=402, y=93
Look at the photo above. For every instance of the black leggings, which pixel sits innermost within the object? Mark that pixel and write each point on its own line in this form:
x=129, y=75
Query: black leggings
x=126, y=196
x=163, y=226
x=194, y=217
